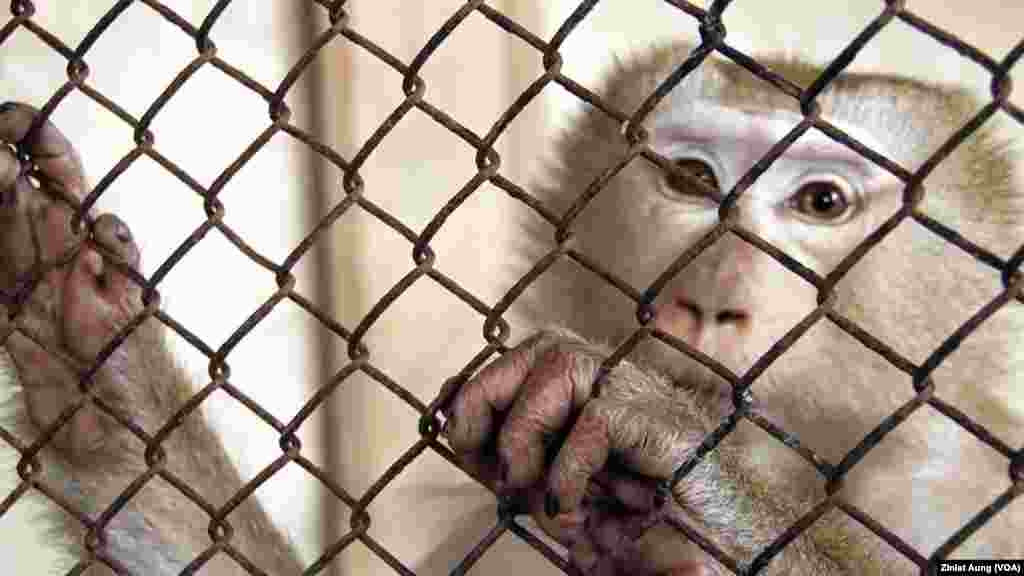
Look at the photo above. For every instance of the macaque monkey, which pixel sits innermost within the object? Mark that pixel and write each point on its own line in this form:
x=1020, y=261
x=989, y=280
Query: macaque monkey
x=587, y=460
x=816, y=203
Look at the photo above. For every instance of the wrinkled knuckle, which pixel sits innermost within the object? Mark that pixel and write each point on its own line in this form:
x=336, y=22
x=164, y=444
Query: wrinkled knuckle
x=536, y=347
x=589, y=449
x=552, y=377
x=535, y=417
x=10, y=168
x=514, y=443
x=557, y=361
x=580, y=365
x=468, y=402
x=520, y=363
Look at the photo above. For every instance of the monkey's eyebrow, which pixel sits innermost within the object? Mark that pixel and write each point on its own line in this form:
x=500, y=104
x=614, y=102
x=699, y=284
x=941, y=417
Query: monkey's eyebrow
x=756, y=131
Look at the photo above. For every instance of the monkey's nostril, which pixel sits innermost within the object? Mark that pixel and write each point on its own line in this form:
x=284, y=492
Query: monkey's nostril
x=731, y=317
x=690, y=307
x=721, y=316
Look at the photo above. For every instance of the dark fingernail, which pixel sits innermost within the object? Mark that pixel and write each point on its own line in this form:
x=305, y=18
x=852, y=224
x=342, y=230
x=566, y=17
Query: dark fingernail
x=660, y=497
x=551, y=505
x=503, y=470
x=7, y=107
x=123, y=233
x=635, y=528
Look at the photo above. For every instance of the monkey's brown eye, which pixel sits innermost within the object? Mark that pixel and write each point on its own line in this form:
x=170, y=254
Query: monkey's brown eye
x=696, y=168
x=823, y=201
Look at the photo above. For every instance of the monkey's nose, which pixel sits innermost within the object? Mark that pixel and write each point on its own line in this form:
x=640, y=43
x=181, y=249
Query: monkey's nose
x=696, y=323
x=715, y=315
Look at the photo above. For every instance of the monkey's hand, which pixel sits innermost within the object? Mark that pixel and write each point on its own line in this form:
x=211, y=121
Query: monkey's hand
x=69, y=297
x=506, y=424
x=68, y=300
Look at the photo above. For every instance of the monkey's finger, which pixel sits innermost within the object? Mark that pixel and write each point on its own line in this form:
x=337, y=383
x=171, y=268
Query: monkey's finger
x=21, y=214
x=115, y=236
x=49, y=386
x=34, y=228
x=607, y=544
x=565, y=528
x=482, y=466
x=56, y=158
x=98, y=298
x=614, y=542
x=634, y=492
x=645, y=442
x=559, y=382
x=10, y=169
x=470, y=420
x=584, y=555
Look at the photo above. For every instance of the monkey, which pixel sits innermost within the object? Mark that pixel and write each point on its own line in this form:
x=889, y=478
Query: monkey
x=815, y=203
x=587, y=447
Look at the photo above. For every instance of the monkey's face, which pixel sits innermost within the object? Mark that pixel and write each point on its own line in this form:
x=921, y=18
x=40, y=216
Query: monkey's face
x=810, y=208
x=815, y=203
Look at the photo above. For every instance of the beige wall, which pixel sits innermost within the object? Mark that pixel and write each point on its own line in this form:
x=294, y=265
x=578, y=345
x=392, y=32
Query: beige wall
x=203, y=129
x=430, y=516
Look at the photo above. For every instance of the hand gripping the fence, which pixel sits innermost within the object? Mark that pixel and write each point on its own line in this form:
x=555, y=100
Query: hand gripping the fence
x=592, y=468
x=504, y=424
x=101, y=388
x=69, y=300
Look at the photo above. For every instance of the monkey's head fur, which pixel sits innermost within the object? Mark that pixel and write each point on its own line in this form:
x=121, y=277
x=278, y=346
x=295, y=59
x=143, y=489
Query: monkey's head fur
x=816, y=203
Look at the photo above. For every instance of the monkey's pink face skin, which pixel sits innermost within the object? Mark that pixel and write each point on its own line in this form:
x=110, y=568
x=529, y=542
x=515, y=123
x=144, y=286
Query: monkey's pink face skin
x=79, y=301
x=816, y=202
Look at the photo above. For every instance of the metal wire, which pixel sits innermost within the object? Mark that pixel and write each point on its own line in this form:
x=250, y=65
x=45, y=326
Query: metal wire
x=496, y=329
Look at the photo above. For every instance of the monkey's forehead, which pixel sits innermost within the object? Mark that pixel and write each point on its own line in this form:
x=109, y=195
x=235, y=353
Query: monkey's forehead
x=757, y=129
x=900, y=130
x=906, y=120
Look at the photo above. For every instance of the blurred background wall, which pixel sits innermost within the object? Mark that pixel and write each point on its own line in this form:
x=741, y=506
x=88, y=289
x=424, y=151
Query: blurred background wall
x=431, y=514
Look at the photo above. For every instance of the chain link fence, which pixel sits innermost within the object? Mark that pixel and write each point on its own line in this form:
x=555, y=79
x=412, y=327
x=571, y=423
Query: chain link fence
x=496, y=329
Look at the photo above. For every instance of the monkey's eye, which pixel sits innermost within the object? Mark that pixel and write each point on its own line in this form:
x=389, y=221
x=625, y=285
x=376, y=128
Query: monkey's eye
x=696, y=168
x=824, y=201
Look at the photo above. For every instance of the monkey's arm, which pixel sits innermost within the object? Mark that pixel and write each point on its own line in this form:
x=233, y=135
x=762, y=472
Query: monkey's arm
x=77, y=302
x=642, y=421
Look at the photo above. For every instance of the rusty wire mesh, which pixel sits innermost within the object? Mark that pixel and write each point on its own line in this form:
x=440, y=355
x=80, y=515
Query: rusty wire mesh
x=496, y=329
